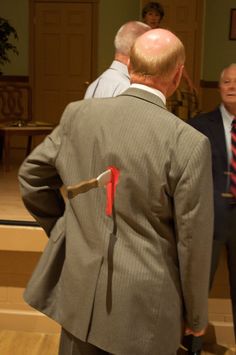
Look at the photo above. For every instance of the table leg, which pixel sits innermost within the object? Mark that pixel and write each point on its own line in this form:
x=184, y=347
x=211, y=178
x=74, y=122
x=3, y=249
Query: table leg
x=1, y=146
x=29, y=144
x=7, y=151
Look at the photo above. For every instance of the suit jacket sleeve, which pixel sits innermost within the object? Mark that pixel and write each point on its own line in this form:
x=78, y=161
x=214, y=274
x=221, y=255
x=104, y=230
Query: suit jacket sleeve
x=193, y=201
x=40, y=184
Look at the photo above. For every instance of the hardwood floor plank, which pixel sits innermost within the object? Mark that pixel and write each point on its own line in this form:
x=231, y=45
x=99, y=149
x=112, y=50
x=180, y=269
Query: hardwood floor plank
x=27, y=343
x=13, y=207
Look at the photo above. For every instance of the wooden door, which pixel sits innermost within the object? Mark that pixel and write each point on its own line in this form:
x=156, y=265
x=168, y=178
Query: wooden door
x=184, y=17
x=63, y=55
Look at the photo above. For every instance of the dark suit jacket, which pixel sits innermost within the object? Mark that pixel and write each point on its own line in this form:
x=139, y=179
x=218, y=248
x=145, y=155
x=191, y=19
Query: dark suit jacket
x=133, y=302
x=211, y=125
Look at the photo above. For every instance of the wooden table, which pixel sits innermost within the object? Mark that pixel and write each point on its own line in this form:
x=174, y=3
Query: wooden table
x=29, y=131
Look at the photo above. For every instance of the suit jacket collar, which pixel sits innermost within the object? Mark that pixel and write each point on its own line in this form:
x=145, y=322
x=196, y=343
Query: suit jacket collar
x=144, y=95
x=216, y=124
x=215, y=116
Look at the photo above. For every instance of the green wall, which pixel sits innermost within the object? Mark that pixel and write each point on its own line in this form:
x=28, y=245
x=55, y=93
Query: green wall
x=112, y=15
x=16, y=12
x=218, y=50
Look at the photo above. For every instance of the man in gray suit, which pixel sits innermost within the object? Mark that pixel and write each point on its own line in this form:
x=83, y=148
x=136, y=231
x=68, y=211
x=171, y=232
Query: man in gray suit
x=115, y=79
x=126, y=285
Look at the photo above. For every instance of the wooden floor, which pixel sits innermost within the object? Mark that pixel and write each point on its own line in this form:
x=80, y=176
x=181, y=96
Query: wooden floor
x=213, y=350
x=12, y=207
x=27, y=343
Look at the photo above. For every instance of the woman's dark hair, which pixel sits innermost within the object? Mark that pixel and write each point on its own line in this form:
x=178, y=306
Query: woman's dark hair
x=153, y=6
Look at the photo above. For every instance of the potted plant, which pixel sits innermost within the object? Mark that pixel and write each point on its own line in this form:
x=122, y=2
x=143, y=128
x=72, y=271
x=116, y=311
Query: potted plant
x=6, y=32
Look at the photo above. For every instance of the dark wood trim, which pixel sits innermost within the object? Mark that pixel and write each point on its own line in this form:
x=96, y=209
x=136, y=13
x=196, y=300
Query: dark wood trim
x=94, y=41
x=81, y=1
x=12, y=222
x=232, y=28
x=14, y=78
x=209, y=84
x=198, y=48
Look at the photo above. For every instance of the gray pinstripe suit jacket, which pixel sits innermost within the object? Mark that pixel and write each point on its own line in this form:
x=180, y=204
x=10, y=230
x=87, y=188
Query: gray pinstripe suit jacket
x=135, y=303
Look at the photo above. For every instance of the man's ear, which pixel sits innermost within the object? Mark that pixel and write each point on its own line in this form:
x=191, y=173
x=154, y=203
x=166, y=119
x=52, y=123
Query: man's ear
x=129, y=65
x=178, y=75
x=174, y=81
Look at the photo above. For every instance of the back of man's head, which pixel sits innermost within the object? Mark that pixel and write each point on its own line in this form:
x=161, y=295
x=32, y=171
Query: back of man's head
x=127, y=35
x=156, y=53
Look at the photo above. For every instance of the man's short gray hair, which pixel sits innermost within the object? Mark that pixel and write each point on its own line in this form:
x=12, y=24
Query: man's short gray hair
x=232, y=65
x=127, y=35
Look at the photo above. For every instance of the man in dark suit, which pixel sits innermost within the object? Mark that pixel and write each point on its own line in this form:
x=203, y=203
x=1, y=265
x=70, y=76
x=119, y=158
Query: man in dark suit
x=127, y=290
x=216, y=125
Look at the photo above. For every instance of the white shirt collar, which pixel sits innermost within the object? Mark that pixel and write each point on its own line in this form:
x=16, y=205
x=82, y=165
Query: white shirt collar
x=227, y=122
x=225, y=114
x=151, y=90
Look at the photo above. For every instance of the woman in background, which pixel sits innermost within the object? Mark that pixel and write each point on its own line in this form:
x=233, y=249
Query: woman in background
x=184, y=103
x=152, y=14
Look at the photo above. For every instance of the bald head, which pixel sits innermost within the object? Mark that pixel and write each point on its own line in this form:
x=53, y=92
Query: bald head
x=156, y=57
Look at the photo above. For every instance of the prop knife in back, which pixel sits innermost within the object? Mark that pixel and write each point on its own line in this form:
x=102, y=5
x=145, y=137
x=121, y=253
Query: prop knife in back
x=84, y=186
x=108, y=178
